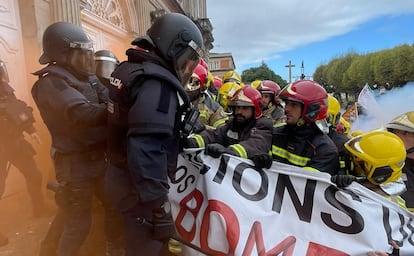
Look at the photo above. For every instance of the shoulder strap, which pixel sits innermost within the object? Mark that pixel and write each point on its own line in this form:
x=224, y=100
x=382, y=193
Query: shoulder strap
x=57, y=71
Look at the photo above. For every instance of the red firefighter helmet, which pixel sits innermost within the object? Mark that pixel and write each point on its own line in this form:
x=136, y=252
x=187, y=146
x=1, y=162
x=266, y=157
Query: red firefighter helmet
x=311, y=95
x=203, y=76
x=248, y=96
x=217, y=82
x=204, y=64
x=270, y=87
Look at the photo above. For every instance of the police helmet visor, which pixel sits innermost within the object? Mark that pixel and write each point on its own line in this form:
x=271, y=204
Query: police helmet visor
x=105, y=66
x=82, y=58
x=4, y=76
x=187, y=61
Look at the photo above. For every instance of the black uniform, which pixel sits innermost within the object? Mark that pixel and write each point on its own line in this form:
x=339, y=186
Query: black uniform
x=74, y=110
x=15, y=118
x=144, y=116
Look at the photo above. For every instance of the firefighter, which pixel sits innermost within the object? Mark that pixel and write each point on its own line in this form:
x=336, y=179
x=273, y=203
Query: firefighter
x=212, y=114
x=246, y=134
x=300, y=141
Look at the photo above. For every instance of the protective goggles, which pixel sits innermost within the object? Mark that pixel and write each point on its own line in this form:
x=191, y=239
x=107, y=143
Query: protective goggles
x=193, y=85
x=383, y=174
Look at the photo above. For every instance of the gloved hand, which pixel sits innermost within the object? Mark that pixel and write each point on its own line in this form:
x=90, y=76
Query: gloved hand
x=215, y=150
x=162, y=223
x=198, y=127
x=262, y=160
x=343, y=180
x=188, y=143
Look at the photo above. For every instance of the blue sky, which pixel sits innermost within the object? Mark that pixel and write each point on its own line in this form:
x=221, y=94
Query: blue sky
x=277, y=31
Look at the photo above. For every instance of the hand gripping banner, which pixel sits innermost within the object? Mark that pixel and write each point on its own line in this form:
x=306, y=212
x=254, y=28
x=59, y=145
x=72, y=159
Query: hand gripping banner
x=226, y=206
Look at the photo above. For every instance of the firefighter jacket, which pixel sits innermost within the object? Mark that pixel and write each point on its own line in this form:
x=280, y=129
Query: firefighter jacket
x=252, y=139
x=276, y=113
x=211, y=113
x=73, y=110
x=305, y=146
x=339, y=139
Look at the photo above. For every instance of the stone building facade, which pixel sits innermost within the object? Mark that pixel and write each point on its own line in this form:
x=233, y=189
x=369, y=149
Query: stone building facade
x=111, y=24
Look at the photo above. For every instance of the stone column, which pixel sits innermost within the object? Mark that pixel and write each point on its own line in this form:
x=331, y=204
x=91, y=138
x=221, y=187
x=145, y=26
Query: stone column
x=65, y=10
x=143, y=17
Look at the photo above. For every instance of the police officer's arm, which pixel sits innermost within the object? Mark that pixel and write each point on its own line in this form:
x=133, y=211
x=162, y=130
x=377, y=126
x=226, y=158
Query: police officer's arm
x=56, y=93
x=151, y=139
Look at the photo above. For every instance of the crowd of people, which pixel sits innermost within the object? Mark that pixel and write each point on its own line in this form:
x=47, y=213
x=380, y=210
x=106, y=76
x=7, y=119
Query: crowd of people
x=117, y=128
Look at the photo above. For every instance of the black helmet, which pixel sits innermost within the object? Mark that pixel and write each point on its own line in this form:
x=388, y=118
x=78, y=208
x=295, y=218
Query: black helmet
x=67, y=44
x=178, y=40
x=105, y=62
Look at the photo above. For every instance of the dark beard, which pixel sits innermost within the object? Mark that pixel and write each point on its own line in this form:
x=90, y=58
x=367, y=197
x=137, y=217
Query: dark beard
x=240, y=123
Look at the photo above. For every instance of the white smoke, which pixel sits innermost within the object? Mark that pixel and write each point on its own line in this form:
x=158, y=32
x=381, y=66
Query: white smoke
x=390, y=104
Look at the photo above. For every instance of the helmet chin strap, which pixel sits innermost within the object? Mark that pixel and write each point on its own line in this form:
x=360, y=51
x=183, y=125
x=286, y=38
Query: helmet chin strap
x=301, y=122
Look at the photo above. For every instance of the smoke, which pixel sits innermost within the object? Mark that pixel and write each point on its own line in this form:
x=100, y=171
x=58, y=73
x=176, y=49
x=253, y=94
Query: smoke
x=390, y=104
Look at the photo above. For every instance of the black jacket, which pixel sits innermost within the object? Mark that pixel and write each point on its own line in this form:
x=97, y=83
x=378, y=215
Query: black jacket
x=73, y=110
x=252, y=139
x=144, y=115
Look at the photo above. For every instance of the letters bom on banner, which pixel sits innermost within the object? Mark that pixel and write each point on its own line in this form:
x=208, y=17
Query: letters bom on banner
x=183, y=180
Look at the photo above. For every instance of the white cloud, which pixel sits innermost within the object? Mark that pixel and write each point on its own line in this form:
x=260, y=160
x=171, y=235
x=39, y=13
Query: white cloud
x=259, y=30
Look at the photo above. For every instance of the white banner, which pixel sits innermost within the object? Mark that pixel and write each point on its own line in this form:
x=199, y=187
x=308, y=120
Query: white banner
x=366, y=98
x=226, y=206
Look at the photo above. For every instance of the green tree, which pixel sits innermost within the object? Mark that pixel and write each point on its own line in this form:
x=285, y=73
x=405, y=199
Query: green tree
x=383, y=65
x=357, y=75
x=403, y=65
x=350, y=72
x=263, y=72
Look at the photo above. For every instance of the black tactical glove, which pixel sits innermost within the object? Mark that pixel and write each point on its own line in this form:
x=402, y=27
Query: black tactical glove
x=262, y=160
x=188, y=143
x=395, y=252
x=198, y=127
x=215, y=150
x=343, y=180
x=162, y=223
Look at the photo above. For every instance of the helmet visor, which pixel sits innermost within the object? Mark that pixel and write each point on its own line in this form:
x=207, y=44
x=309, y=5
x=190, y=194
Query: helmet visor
x=83, y=61
x=187, y=62
x=381, y=174
x=105, y=66
x=81, y=57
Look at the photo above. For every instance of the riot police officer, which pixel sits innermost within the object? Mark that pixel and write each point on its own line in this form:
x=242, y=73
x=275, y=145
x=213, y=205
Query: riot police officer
x=72, y=103
x=147, y=100
x=16, y=117
x=105, y=62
